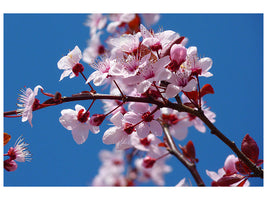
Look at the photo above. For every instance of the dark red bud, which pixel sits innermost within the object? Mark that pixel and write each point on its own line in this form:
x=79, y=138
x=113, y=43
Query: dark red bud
x=83, y=117
x=10, y=165
x=97, y=119
x=77, y=69
x=250, y=148
x=148, y=162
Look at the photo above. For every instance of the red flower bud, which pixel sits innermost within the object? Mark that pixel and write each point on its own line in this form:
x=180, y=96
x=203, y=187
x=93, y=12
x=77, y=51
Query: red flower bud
x=97, y=119
x=77, y=69
x=148, y=162
x=10, y=165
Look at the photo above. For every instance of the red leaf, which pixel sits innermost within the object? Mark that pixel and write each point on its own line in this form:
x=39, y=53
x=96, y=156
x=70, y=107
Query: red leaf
x=7, y=137
x=242, y=183
x=250, y=148
x=229, y=180
x=192, y=95
x=206, y=89
x=189, y=151
x=242, y=168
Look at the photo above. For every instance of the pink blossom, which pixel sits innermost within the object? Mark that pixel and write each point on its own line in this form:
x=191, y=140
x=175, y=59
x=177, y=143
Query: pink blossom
x=155, y=173
x=178, y=54
x=111, y=171
x=20, y=151
x=102, y=73
x=159, y=40
x=120, y=133
x=67, y=63
x=78, y=122
x=228, y=175
x=126, y=43
x=29, y=102
x=148, y=144
x=142, y=112
x=177, y=122
x=180, y=81
x=94, y=49
x=152, y=73
x=117, y=20
x=196, y=65
x=96, y=22
x=196, y=122
x=150, y=18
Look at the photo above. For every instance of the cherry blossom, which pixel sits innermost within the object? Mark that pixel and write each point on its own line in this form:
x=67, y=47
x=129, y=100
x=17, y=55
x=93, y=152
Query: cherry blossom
x=29, y=102
x=150, y=18
x=228, y=175
x=20, y=151
x=78, y=122
x=199, y=66
x=94, y=49
x=180, y=81
x=67, y=63
x=111, y=171
x=120, y=133
x=196, y=122
x=117, y=20
x=144, y=118
x=96, y=22
x=177, y=122
x=155, y=173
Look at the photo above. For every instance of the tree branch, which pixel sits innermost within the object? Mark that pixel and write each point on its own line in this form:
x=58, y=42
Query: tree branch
x=172, y=148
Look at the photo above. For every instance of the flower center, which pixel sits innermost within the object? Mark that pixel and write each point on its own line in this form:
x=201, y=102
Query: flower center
x=170, y=119
x=83, y=117
x=147, y=117
x=145, y=141
x=128, y=128
x=77, y=69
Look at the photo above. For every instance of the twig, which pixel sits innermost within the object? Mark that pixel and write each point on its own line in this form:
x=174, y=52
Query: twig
x=172, y=148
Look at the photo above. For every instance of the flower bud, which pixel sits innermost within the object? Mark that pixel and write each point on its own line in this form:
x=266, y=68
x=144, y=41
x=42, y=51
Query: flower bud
x=10, y=165
x=178, y=54
x=77, y=69
x=148, y=162
x=97, y=119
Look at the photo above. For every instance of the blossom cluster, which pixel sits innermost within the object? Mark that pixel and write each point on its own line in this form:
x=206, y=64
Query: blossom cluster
x=19, y=153
x=135, y=61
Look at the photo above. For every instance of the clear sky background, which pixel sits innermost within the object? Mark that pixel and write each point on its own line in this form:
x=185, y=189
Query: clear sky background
x=34, y=43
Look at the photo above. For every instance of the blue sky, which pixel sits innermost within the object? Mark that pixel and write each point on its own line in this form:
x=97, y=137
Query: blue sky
x=33, y=44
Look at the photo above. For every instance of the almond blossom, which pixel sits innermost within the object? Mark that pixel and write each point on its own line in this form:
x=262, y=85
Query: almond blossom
x=29, y=102
x=78, y=122
x=70, y=62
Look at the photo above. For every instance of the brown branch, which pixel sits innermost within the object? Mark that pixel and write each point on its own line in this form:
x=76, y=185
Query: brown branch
x=179, y=107
x=200, y=114
x=172, y=148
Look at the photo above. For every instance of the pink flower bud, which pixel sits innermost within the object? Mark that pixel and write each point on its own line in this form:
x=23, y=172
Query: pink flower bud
x=10, y=165
x=148, y=162
x=178, y=54
x=97, y=119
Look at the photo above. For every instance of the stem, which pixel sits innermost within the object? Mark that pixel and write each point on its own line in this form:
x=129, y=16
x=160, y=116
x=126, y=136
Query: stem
x=176, y=106
x=200, y=114
x=172, y=148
